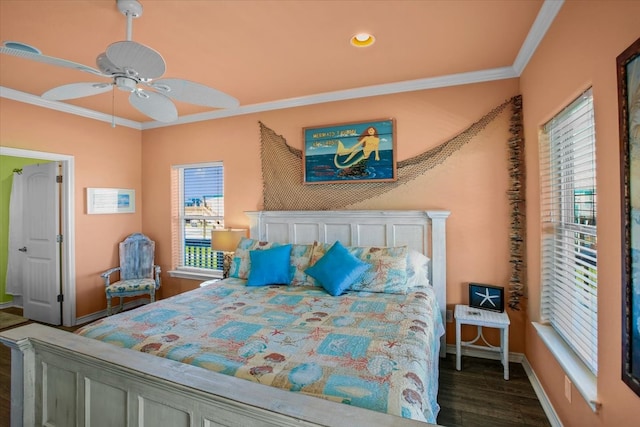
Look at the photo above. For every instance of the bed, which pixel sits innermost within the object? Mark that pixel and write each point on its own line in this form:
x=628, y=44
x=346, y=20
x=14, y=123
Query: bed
x=366, y=348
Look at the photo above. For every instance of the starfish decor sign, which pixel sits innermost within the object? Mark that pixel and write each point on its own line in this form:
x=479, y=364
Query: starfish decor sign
x=486, y=297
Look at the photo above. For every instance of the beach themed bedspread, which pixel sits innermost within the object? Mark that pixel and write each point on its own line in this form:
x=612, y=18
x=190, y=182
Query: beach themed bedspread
x=372, y=350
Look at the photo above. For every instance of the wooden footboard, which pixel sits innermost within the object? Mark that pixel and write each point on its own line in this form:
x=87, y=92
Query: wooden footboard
x=62, y=379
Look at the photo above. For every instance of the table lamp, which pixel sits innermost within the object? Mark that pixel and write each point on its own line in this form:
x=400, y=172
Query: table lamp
x=226, y=240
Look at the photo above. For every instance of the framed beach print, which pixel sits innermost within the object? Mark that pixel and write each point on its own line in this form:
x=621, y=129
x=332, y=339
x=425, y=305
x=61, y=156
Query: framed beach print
x=350, y=152
x=628, y=65
x=110, y=200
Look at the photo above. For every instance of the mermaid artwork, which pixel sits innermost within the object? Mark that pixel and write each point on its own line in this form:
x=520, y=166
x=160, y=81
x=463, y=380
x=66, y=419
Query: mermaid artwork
x=368, y=142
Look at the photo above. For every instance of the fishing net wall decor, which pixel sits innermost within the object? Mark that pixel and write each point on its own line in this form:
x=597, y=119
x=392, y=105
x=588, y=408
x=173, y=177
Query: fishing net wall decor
x=283, y=188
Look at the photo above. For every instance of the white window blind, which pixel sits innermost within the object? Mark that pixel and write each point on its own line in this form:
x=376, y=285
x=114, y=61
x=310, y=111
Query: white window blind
x=198, y=208
x=569, y=240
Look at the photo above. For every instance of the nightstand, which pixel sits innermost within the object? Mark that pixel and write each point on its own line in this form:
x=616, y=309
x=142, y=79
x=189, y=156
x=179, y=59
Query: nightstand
x=466, y=315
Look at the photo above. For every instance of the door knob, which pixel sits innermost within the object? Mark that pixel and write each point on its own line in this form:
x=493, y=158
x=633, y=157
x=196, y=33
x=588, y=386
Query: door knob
x=23, y=249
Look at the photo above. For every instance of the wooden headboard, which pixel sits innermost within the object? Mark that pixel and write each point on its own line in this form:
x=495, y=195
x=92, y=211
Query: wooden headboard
x=423, y=231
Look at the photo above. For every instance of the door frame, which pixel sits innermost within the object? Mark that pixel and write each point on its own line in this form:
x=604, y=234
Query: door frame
x=67, y=226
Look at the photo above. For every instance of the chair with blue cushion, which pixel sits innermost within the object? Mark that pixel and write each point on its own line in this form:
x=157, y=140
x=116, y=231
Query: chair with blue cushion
x=138, y=274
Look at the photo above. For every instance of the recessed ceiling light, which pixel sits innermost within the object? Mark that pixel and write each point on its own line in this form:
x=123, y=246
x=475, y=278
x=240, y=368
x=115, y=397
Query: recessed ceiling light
x=362, y=40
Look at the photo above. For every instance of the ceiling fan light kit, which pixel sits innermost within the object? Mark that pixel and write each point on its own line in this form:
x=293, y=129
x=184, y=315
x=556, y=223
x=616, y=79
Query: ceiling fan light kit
x=132, y=67
x=126, y=84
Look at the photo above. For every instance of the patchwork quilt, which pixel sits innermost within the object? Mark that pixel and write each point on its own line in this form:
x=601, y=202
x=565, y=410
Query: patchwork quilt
x=373, y=350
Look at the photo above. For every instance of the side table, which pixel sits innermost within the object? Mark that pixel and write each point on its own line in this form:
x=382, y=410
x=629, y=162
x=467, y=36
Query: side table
x=466, y=315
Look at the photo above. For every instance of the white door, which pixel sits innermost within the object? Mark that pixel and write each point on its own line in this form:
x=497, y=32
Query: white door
x=41, y=215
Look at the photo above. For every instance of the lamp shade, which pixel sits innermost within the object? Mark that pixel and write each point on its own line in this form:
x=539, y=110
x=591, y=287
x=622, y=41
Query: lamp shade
x=227, y=239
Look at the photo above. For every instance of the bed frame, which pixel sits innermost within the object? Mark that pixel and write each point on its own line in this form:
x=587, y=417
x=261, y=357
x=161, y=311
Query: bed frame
x=61, y=379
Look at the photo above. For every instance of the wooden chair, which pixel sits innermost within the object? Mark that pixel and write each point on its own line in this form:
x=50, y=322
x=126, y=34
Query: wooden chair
x=138, y=274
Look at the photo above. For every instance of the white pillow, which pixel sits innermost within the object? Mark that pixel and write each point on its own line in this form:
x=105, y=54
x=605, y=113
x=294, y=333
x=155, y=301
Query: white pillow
x=417, y=270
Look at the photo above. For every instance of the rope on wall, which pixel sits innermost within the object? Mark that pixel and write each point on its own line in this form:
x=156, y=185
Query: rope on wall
x=283, y=187
x=517, y=201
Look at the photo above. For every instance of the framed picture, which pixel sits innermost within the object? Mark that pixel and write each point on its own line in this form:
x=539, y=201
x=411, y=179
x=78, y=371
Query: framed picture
x=486, y=297
x=628, y=64
x=110, y=200
x=350, y=152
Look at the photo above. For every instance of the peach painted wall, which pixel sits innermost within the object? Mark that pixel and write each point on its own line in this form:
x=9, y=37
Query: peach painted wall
x=472, y=183
x=103, y=157
x=580, y=51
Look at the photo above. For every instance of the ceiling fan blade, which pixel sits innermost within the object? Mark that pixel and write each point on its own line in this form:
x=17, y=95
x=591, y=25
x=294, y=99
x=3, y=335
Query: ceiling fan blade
x=194, y=93
x=136, y=60
x=154, y=105
x=76, y=90
x=20, y=53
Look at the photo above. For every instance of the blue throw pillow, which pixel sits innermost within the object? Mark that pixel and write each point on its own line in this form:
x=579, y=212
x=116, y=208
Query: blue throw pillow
x=269, y=266
x=337, y=269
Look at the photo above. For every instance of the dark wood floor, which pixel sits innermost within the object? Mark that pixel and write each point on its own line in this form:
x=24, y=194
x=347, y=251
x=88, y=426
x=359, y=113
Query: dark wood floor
x=477, y=396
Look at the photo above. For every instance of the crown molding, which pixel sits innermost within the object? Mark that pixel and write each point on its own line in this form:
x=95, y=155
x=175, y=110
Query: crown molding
x=546, y=15
x=343, y=95
x=38, y=101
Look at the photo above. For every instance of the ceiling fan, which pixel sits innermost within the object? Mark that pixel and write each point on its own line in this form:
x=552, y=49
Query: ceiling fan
x=134, y=68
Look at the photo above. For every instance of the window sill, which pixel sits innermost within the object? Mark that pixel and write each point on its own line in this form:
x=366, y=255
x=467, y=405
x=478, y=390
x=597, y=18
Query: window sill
x=584, y=380
x=196, y=274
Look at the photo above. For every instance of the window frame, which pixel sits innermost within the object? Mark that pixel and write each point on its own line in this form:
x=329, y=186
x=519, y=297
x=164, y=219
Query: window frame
x=560, y=216
x=180, y=217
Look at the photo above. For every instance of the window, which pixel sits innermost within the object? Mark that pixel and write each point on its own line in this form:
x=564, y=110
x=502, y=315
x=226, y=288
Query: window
x=569, y=239
x=198, y=207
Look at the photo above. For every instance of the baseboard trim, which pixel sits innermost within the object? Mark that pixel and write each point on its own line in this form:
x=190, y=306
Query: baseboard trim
x=547, y=407
x=16, y=301
x=554, y=420
x=103, y=313
x=89, y=317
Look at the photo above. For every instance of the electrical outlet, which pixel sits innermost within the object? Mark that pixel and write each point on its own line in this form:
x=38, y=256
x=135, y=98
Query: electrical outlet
x=567, y=388
x=449, y=316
